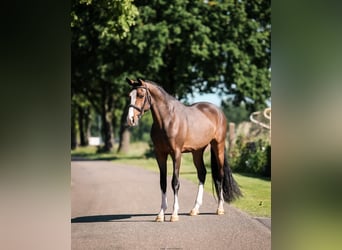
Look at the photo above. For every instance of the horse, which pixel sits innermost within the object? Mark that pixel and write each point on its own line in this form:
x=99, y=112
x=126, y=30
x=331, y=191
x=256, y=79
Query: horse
x=178, y=129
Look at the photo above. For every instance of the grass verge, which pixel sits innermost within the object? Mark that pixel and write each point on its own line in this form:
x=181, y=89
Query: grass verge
x=256, y=190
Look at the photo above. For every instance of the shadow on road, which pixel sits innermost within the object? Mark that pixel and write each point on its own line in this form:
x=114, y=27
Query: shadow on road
x=122, y=217
x=107, y=218
x=84, y=157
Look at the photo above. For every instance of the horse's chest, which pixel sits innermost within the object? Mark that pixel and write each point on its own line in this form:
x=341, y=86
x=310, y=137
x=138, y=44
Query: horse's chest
x=159, y=136
x=167, y=139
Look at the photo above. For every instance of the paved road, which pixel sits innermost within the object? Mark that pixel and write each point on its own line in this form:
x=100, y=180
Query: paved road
x=114, y=207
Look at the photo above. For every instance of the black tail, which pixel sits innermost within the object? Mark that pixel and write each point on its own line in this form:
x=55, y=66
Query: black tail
x=231, y=190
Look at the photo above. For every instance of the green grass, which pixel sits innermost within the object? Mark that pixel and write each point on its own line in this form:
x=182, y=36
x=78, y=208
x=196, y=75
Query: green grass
x=256, y=190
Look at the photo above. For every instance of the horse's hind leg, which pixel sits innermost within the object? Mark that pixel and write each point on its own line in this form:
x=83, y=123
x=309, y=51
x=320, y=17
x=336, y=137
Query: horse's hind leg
x=218, y=162
x=161, y=159
x=201, y=174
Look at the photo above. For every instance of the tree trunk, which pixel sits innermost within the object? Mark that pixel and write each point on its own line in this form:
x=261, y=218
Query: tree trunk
x=231, y=139
x=87, y=123
x=73, y=128
x=107, y=131
x=106, y=118
x=125, y=138
x=82, y=116
x=125, y=134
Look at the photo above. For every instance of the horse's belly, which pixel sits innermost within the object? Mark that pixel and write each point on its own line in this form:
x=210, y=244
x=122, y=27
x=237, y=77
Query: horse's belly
x=188, y=149
x=197, y=141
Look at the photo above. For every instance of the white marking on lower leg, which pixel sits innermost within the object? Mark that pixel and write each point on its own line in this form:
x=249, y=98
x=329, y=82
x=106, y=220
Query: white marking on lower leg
x=199, y=198
x=174, y=216
x=164, y=202
x=175, y=205
x=163, y=207
x=221, y=201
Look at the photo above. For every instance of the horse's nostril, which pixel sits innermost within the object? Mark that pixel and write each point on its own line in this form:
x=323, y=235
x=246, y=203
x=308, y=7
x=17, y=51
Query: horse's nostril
x=134, y=121
x=130, y=121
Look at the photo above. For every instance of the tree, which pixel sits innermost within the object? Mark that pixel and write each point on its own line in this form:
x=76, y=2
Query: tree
x=97, y=27
x=124, y=133
x=167, y=40
x=80, y=120
x=188, y=45
x=242, y=31
x=236, y=114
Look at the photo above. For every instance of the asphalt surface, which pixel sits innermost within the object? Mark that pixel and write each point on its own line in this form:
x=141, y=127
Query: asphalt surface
x=114, y=207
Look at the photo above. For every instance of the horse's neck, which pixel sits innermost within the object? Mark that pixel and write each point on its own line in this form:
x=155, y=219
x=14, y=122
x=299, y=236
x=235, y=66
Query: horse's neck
x=162, y=106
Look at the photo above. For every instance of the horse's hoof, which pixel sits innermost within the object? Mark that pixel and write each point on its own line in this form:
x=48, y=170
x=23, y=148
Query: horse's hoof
x=194, y=212
x=220, y=211
x=174, y=218
x=160, y=218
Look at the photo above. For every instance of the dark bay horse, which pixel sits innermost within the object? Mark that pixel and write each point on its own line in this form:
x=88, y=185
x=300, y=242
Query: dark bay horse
x=178, y=129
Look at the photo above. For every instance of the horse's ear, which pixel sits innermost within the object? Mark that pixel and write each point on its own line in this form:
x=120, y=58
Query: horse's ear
x=140, y=81
x=130, y=82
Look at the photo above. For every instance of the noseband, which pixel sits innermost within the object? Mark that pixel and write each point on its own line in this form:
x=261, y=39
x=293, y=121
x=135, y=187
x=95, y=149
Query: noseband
x=147, y=98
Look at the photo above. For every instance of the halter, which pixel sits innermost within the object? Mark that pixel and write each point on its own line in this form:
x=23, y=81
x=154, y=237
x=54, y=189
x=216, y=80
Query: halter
x=147, y=98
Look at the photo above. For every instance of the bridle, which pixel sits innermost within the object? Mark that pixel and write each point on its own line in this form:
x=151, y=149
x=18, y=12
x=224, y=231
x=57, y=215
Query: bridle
x=146, y=99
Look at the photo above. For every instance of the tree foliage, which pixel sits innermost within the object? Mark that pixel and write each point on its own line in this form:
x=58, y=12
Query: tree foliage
x=236, y=114
x=189, y=45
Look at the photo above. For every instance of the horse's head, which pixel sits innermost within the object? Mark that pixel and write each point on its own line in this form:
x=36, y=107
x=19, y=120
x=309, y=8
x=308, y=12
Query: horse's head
x=140, y=101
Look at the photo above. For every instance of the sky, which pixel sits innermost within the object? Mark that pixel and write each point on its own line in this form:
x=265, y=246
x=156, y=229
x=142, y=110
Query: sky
x=213, y=98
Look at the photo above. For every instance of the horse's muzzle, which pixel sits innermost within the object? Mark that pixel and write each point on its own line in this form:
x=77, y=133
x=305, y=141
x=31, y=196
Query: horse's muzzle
x=132, y=121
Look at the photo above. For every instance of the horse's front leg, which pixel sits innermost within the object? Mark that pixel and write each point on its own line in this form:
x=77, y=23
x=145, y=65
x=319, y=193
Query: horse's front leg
x=161, y=159
x=175, y=184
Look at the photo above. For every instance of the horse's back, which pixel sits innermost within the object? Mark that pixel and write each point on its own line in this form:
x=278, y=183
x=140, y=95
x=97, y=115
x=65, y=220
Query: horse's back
x=211, y=111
